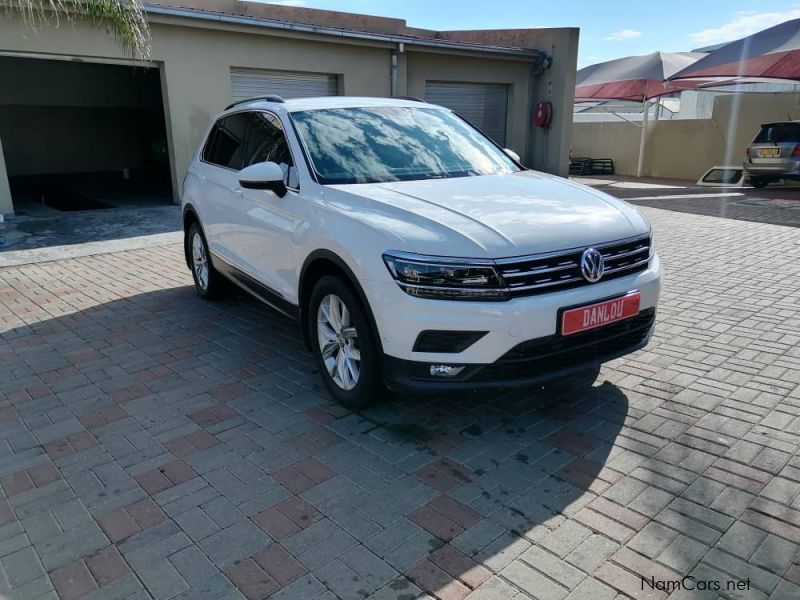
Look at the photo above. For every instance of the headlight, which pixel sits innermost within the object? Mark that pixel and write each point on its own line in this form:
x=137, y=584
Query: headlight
x=445, y=278
x=652, y=245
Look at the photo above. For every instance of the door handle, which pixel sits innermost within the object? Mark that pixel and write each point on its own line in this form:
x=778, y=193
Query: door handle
x=236, y=191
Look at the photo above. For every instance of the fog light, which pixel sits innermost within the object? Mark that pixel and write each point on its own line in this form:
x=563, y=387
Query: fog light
x=445, y=370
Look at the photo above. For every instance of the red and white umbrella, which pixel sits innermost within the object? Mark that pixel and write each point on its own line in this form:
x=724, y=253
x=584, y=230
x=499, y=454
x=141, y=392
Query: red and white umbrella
x=633, y=78
x=770, y=54
x=636, y=78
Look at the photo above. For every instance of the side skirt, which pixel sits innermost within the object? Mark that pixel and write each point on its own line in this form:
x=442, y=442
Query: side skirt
x=267, y=295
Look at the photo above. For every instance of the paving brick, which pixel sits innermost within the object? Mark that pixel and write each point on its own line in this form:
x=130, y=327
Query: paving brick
x=437, y=582
x=119, y=525
x=650, y=501
x=552, y=566
x=437, y=478
x=781, y=490
x=193, y=566
x=592, y=552
x=376, y=572
x=6, y=513
x=161, y=579
x=455, y=511
x=626, y=582
x=436, y=523
x=145, y=513
x=251, y=580
x=73, y=581
x=602, y=524
x=21, y=566
x=301, y=513
x=293, y=480
x=565, y=538
x=196, y=523
x=17, y=483
x=153, y=481
x=774, y=554
x=619, y=513
x=736, y=567
x=652, y=539
x=237, y=542
x=280, y=564
x=459, y=566
x=682, y=554
x=525, y=577
x=742, y=539
x=107, y=566
x=275, y=524
x=732, y=502
x=591, y=589
x=343, y=582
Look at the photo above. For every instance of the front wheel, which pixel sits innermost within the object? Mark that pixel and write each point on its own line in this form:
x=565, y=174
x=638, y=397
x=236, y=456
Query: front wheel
x=207, y=281
x=759, y=182
x=344, y=344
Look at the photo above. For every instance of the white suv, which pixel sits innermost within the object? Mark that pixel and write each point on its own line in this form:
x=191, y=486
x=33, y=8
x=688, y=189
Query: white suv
x=414, y=252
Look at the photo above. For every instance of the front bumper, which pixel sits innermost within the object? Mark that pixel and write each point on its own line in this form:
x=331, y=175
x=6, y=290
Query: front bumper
x=531, y=362
x=527, y=321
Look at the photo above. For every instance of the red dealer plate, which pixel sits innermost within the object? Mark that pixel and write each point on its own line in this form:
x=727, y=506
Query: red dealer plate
x=590, y=316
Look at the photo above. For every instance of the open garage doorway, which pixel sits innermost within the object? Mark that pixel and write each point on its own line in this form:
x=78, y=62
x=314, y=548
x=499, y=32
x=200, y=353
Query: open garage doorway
x=81, y=136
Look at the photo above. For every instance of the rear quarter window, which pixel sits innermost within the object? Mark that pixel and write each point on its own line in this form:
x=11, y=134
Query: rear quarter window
x=224, y=146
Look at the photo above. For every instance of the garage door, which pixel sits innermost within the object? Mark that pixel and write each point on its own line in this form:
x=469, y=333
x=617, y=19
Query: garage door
x=250, y=83
x=485, y=105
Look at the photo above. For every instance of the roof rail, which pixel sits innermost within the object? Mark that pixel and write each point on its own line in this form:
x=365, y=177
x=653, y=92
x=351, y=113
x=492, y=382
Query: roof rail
x=270, y=98
x=412, y=98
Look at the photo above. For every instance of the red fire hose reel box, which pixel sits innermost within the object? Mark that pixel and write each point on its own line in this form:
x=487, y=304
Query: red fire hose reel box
x=544, y=114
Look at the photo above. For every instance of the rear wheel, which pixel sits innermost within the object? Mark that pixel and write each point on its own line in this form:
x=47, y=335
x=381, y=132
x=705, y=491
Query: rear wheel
x=207, y=281
x=344, y=344
x=759, y=182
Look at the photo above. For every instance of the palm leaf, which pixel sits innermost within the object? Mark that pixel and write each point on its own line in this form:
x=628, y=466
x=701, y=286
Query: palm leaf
x=123, y=19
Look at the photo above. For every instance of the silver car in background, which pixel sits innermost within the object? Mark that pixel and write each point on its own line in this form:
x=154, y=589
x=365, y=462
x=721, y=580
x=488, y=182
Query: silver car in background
x=774, y=154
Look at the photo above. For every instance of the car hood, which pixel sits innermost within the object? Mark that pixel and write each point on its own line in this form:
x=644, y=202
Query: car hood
x=493, y=216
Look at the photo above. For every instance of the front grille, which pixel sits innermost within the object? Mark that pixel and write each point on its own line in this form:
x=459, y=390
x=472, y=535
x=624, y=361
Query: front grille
x=554, y=353
x=539, y=274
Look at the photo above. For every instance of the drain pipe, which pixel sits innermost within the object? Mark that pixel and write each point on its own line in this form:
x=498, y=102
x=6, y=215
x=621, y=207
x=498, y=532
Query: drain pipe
x=393, y=68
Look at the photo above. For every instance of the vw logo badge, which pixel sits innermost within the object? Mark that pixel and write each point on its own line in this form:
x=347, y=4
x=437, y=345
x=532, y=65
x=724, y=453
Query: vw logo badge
x=592, y=265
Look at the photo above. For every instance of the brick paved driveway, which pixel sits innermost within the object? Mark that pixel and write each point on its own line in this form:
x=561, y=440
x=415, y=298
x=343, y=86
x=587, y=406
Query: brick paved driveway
x=152, y=444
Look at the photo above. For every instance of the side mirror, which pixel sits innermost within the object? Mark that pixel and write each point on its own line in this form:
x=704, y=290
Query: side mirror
x=263, y=176
x=511, y=154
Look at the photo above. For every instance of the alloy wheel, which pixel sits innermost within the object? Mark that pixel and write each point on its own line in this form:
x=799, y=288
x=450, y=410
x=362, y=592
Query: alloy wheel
x=200, y=260
x=338, y=342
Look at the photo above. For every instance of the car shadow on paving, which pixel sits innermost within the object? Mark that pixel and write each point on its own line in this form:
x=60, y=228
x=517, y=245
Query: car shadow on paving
x=165, y=443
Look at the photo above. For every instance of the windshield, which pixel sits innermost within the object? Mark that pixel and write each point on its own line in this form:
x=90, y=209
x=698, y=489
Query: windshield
x=390, y=143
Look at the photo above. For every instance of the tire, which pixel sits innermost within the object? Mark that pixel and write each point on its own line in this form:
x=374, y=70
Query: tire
x=759, y=182
x=351, y=366
x=208, y=283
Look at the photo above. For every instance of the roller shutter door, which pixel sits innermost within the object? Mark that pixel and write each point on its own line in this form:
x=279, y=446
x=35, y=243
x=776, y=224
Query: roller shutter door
x=250, y=83
x=485, y=105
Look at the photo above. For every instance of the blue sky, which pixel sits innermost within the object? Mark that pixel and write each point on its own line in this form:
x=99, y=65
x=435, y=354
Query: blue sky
x=609, y=28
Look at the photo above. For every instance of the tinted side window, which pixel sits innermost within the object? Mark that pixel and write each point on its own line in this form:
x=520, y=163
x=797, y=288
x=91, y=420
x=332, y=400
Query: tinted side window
x=225, y=143
x=266, y=141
